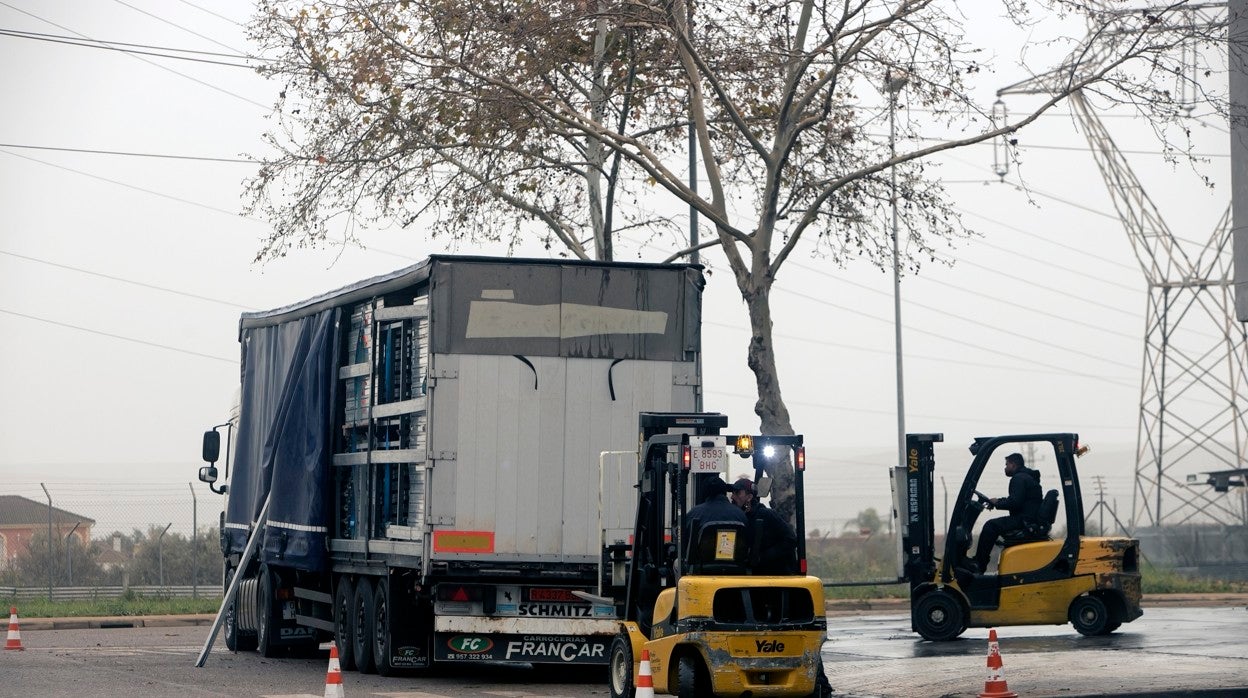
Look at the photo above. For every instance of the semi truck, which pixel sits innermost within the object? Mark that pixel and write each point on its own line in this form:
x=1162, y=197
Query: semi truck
x=422, y=464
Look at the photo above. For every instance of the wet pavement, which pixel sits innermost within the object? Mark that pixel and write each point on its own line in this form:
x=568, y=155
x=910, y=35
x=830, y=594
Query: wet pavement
x=1168, y=650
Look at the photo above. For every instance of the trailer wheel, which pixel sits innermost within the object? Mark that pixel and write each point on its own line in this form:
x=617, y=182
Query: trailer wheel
x=381, y=628
x=692, y=680
x=938, y=616
x=264, y=614
x=621, y=667
x=362, y=630
x=343, y=636
x=235, y=639
x=1090, y=615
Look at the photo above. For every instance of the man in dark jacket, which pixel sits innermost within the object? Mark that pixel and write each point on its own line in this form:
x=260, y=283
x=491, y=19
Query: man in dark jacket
x=1023, y=503
x=773, y=543
x=714, y=509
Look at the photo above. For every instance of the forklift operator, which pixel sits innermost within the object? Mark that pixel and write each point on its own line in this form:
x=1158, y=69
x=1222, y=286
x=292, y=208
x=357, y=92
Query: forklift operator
x=773, y=543
x=1023, y=503
x=713, y=509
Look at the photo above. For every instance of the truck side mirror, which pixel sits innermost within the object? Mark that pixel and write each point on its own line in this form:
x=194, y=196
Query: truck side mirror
x=208, y=474
x=212, y=450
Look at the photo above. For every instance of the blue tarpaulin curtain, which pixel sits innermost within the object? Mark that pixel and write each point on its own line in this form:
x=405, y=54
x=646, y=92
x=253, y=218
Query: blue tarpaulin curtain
x=284, y=438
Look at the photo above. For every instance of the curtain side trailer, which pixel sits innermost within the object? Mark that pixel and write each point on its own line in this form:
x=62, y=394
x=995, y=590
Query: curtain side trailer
x=444, y=452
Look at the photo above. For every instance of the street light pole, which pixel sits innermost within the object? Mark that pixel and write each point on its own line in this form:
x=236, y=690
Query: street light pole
x=893, y=85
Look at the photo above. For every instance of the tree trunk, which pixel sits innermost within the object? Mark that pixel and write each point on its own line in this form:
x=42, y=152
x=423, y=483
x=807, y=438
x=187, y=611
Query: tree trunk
x=772, y=413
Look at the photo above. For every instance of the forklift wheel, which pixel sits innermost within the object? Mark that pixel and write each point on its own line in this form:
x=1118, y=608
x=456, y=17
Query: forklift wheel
x=938, y=616
x=621, y=667
x=692, y=679
x=1090, y=616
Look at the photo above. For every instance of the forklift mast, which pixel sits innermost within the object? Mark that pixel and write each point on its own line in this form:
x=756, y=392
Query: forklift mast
x=912, y=500
x=663, y=494
x=654, y=552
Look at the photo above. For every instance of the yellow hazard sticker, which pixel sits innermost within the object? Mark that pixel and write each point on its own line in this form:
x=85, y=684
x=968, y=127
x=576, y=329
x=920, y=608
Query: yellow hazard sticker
x=725, y=544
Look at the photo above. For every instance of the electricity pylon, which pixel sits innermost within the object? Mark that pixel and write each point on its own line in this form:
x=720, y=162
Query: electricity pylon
x=1192, y=390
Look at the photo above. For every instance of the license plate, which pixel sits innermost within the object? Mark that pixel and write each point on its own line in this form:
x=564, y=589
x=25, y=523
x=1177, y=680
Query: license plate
x=710, y=459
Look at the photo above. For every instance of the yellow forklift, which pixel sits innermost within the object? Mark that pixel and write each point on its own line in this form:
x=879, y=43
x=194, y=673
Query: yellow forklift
x=1044, y=575
x=710, y=627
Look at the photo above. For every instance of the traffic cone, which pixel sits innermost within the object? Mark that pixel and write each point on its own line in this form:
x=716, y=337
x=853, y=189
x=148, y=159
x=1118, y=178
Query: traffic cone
x=333, y=677
x=15, y=633
x=645, y=683
x=995, y=686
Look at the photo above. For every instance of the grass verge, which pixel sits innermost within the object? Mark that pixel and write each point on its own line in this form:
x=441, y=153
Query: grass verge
x=133, y=606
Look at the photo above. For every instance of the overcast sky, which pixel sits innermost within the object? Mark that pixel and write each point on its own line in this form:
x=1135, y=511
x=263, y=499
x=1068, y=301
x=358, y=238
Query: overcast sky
x=122, y=278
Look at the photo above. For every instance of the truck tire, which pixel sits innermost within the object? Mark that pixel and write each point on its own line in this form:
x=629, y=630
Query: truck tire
x=938, y=616
x=621, y=668
x=235, y=639
x=382, y=642
x=691, y=677
x=1090, y=615
x=362, y=631
x=343, y=638
x=265, y=643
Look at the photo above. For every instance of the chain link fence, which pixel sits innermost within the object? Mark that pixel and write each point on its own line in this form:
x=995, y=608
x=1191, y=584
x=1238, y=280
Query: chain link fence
x=84, y=540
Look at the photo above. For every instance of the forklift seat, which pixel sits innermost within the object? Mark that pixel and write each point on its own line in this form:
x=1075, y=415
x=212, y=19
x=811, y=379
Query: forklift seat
x=1039, y=530
x=718, y=547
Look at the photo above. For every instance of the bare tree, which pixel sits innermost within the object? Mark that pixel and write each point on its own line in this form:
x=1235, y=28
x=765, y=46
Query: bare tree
x=491, y=120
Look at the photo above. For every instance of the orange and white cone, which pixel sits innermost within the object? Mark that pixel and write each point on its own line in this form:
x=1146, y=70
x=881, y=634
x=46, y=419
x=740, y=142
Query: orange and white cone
x=333, y=677
x=995, y=686
x=645, y=682
x=15, y=633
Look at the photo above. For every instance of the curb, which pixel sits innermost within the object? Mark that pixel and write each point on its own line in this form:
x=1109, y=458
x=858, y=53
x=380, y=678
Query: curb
x=832, y=607
x=106, y=622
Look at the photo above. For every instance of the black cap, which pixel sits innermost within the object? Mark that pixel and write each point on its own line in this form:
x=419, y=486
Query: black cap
x=743, y=484
x=716, y=485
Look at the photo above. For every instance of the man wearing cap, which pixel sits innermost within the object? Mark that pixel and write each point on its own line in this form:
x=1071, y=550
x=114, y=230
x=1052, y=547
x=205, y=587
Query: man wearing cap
x=773, y=543
x=1023, y=503
x=714, y=509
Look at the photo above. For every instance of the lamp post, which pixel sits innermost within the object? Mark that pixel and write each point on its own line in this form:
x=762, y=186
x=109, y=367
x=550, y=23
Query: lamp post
x=894, y=84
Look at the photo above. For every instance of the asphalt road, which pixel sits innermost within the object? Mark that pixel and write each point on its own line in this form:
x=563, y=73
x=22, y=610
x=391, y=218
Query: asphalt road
x=1170, y=651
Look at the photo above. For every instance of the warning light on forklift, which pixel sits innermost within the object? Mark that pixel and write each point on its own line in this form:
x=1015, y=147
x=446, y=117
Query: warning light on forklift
x=1080, y=450
x=745, y=446
x=686, y=457
x=799, y=457
x=769, y=451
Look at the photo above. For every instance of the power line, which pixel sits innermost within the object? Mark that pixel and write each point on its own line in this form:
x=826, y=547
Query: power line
x=1065, y=369
x=1074, y=148
x=232, y=214
x=175, y=25
x=888, y=352
x=128, y=281
x=118, y=336
x=1064, y=318
x=131, y=186
x=69, y=41
x=208, y=11
x=973, y=322
x=859, y=410
x=130, y=154
x=140, y=58
x=29, y=34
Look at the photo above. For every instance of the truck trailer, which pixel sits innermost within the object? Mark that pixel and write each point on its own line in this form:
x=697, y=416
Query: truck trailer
x=423, y=461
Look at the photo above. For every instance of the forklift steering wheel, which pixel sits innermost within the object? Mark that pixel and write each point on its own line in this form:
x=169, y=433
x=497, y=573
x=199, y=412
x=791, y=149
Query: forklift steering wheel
x=984, y=499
